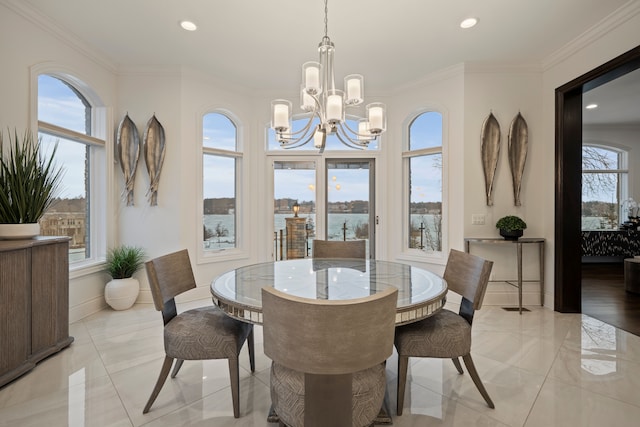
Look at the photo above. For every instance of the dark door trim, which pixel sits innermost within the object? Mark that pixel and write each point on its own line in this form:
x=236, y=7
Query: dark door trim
x=568, y=176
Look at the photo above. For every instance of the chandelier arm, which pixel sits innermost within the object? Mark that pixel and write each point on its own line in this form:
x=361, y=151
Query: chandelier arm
x=369, y=137
x=304, y=130
x=295, y=143
x=346, y=140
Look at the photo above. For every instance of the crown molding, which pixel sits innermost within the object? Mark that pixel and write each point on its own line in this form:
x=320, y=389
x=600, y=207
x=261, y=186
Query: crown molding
x=609, y=23
x=43, y=22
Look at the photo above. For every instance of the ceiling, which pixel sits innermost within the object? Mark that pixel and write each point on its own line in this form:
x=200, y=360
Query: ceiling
x=261, y=45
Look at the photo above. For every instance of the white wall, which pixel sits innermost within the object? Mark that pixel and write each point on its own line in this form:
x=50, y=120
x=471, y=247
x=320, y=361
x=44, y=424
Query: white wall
x=465, y=94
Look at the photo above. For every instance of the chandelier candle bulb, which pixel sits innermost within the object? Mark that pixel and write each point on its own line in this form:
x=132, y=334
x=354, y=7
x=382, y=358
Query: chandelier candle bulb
x=281, y=113
x=363, y=130
x=307, y=103
x=311, y=77
x=353, y=84
x=376, y=118
x=334, y=107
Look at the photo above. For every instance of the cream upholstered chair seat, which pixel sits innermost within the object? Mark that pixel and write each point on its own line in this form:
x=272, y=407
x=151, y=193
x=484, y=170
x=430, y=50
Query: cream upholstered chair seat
x=185, y=336
x=197, y=334
x=438, y=336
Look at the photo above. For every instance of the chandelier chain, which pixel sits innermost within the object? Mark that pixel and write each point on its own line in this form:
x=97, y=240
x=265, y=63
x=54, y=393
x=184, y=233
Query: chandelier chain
x=326, y=20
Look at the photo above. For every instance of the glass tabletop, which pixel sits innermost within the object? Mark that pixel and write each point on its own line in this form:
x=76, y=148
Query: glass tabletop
x=420, y=292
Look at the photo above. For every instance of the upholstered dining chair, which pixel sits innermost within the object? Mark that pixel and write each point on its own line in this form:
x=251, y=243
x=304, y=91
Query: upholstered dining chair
x=197, y=334
x=447, y=334
x=328, y=357
x=339, y=248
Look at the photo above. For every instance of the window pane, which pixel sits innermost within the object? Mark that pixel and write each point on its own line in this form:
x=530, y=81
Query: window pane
x=58, y=104
x=219, y=191
x=426, y=131
x=347, y=200
x=218, y=132
x=597, y=158
x=601, y=200
x=425, y=202
x=68, y=215
x=293, y=182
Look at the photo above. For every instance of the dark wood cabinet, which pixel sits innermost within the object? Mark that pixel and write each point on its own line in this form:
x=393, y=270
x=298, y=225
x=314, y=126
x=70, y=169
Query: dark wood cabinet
x=34, y=303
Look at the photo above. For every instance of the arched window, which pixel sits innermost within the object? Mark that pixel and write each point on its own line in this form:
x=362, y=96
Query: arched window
x=65, y=119
x=221, y=162
x=605, y=190
x=423, y=161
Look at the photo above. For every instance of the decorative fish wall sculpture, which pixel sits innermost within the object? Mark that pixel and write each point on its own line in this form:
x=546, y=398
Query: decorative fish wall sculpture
x=518, y=142
x=490, y=139
x=128, y=152
x=154, y=147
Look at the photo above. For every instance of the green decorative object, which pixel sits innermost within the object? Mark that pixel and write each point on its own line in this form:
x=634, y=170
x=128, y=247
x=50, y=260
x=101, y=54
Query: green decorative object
x=28, y=181
x=511, y=227
x=122, y=261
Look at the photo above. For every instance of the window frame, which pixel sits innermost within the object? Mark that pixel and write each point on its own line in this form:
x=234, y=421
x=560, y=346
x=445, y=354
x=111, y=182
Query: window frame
x=406, y=156
x=216, y=255
x=622, y=171
x=101, y=190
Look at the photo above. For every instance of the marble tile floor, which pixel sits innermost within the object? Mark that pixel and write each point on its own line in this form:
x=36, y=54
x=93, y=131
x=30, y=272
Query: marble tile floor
x=542, y=369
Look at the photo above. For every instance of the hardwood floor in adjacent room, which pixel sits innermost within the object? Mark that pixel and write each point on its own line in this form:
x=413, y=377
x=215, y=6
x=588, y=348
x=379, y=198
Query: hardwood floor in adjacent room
x=604, y=296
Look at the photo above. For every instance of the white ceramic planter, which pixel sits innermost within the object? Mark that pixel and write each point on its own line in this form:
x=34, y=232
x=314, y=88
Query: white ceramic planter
x=120, y=294
x=19, y=231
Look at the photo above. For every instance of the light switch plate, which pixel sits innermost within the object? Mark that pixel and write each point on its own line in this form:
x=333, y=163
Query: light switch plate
x=477, y=219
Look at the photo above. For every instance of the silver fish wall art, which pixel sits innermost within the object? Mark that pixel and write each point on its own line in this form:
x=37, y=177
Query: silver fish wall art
x=154, y=147
x=128, y=152
x=518, y=142
x=490, y=149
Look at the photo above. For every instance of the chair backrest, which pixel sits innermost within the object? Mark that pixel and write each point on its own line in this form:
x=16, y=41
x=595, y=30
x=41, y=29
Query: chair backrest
x=339, y=248
x=468, y=275
x=326, y=336
x=169, y=275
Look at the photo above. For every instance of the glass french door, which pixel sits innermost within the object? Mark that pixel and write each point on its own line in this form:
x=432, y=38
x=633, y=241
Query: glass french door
x=334, y=196
x=350, y=213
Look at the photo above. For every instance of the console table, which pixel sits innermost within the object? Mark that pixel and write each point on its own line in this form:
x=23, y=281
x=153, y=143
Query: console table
x=34, y=302
x=517, y=244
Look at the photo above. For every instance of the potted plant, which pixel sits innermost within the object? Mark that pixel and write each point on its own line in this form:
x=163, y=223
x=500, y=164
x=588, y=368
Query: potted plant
x=511, y=227
x=122, y=262
x=28, y=185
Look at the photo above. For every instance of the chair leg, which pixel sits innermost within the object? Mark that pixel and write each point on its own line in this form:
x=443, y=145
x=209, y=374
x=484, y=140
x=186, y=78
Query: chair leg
x=164, y=372
x=403, y=364
x=250, y=344
x=456, y=362
x=471, y=368
x=234, y=375
x=177, y=367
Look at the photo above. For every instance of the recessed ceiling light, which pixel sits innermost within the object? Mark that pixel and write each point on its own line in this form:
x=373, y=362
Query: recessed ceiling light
x=591, y=106
x=468, y=23
x=188, y=25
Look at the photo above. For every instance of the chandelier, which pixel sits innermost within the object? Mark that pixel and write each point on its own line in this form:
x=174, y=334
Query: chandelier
x=320, y=99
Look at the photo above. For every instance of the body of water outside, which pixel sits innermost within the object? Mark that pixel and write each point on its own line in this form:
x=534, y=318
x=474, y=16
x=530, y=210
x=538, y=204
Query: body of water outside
x=335, y=229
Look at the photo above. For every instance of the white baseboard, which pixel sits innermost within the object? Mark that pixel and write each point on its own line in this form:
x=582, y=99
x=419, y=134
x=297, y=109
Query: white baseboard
x=87, y=308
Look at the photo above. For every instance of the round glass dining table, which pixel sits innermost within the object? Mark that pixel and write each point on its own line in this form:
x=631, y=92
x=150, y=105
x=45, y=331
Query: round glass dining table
x=420, y=292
